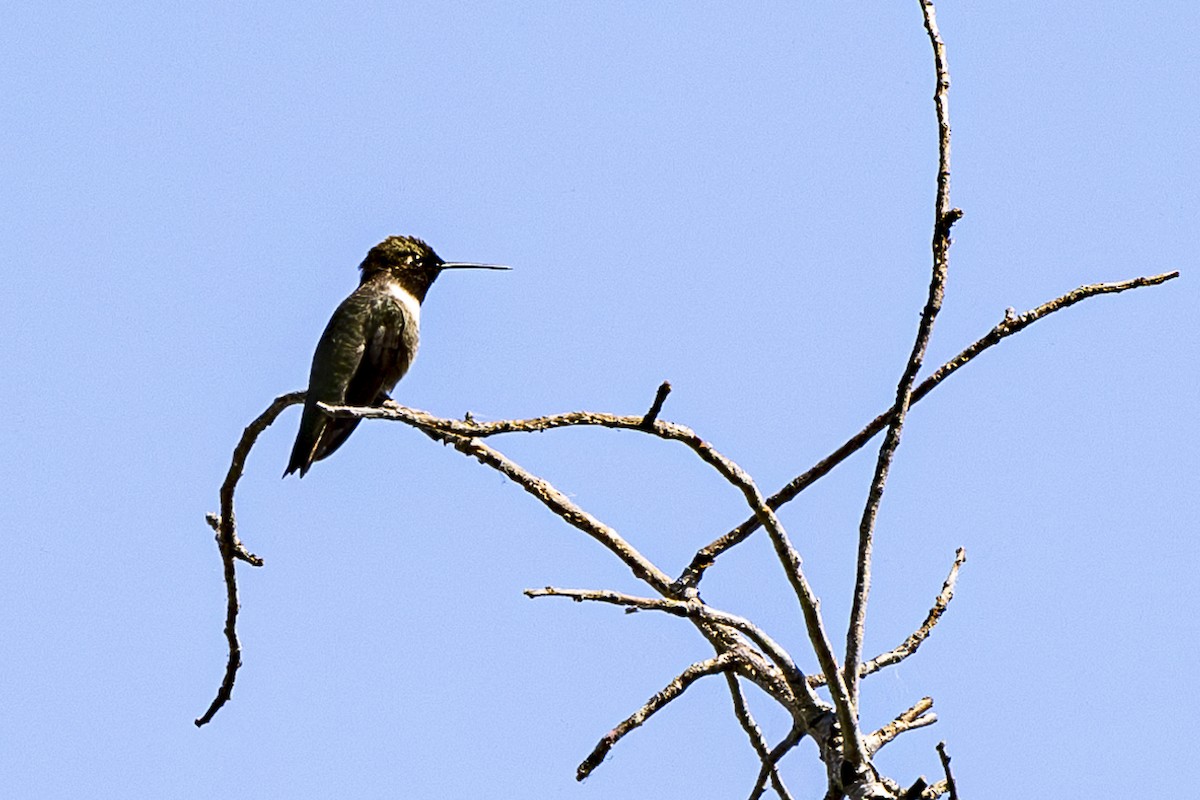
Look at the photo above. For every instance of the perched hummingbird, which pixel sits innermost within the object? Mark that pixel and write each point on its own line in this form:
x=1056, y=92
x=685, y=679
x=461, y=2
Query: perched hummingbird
x=369, y=342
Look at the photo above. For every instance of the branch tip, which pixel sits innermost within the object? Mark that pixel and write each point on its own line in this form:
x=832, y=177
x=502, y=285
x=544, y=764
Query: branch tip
x=951, y=787
x=677, y=686
x=660, y=397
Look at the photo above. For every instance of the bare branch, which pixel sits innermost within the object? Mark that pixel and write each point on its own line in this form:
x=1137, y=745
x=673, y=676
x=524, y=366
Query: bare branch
x=458, y=433
x=912, y=718
x=914, y=640
x=944, y=218
x=718, y=663
x=910, y=645
x=742, y=711
x=951, y=787
x=1010, y=325
x=474, y=429
x=231, y=547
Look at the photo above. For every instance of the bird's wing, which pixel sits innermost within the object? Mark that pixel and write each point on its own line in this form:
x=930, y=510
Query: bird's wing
x=377, y=373
x=337, y=360
x=384, y=362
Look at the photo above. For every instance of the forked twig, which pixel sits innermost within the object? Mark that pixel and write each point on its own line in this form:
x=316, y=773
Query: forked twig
x=910, y=719
x=231, y=547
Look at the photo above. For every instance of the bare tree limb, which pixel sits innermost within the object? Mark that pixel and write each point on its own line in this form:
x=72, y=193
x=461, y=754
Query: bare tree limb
x=910, y=719
x=914, y=640
x=1010, y=325
x=943, y=219
x=718, y=663
x=231, y=547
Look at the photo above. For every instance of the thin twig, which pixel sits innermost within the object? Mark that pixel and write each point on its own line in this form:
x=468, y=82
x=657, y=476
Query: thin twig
x=231, y=547
x=914, y=640
x=910, y=719
x=660, y=397
x=718, y=663
x=742, y=711
x=951, y=787
x=943, y=219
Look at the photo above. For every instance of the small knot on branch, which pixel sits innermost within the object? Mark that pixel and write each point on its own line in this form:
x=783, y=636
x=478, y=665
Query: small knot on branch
x=946, y=222
x=237, y=549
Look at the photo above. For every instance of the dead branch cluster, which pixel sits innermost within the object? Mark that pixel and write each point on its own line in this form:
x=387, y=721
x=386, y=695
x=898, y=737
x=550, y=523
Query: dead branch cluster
x=743, y=650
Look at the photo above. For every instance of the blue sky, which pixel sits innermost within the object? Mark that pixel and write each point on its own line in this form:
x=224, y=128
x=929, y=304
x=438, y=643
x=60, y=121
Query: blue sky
x=737, y=199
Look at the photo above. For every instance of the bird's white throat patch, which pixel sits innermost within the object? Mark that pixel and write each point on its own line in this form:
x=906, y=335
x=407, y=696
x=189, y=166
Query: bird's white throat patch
x=406, y=299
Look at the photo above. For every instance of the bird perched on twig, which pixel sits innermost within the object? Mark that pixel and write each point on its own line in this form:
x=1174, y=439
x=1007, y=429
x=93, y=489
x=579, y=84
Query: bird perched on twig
x=369, y=343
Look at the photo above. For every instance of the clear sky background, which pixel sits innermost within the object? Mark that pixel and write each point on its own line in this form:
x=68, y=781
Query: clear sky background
x=737, y=198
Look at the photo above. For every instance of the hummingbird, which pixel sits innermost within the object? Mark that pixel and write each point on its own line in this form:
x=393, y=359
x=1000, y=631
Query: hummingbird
x=369, y=343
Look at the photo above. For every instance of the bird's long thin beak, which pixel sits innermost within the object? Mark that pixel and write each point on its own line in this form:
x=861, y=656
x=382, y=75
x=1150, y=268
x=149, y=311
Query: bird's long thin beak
x=472, y=265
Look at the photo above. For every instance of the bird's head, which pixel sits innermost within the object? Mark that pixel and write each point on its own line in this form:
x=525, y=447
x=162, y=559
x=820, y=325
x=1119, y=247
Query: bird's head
x=413, y=263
